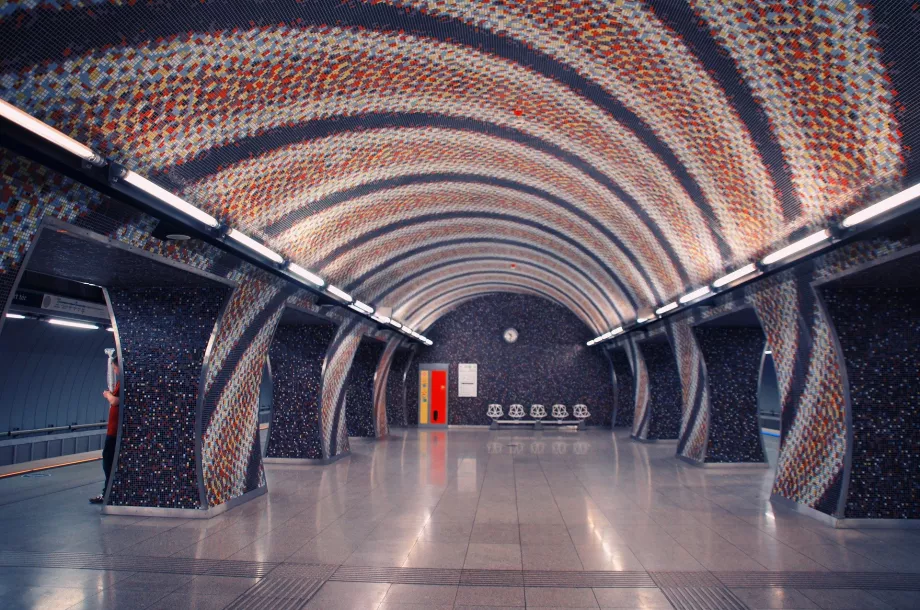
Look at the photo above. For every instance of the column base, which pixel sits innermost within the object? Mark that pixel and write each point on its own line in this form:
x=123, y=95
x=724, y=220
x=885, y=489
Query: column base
x=306, y=461
x=184, y=513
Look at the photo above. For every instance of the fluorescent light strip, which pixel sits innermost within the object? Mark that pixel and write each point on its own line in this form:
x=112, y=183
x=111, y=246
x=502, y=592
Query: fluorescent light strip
x=735, y=275
x=26, y=121
x=72, y=324
x=802, y=244
x=696, y=294
x=395, y=324
x=110, y=329
x=616, y=331
x=362, y=307
x=168, y=198
x=381, y=319
x=255, y=246
x=307, y=275
x=341, y=294
x=644, y=320
x=666, y=308
x=15, y=316
x=883, y=206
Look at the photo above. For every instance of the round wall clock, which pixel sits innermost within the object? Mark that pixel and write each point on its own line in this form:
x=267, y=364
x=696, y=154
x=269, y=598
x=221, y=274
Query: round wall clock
x=511, y=335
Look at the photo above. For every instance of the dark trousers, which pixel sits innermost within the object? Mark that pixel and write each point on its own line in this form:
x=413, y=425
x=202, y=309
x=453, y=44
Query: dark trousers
x=108, y=456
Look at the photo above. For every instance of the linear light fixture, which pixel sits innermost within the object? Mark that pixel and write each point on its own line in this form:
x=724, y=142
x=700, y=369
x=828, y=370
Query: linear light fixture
x=381, y=319
x=15, y=316
x=666, y=308
x=591, y=342
x=168, y=198
x=696, y=294
x=307, y=275
x=616, y=331
x=110, y=329
x=339, y=294
x=735, y=275
x=72, y=324
x=255, y=246
x=794, y=248
x=644, y=320
x=363, y=307
x=395, y=324
x=882, y=206
x=26, y=121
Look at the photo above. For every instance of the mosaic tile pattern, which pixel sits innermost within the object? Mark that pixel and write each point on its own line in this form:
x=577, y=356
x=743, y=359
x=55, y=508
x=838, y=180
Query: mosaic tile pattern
x=156, y=464
x=399, y=386
x=733, y=358
x=411, y=124
x=641, y=414
x=359, y=394
x=381, y=384
x=548, y=364
x=338, y=359
x=695, y=418
x=878, y=330
x=665, y=404
x=297, y=354
x=625, y=388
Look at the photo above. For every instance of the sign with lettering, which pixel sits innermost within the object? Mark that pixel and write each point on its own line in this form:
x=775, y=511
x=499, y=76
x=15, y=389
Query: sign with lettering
x=467, y=378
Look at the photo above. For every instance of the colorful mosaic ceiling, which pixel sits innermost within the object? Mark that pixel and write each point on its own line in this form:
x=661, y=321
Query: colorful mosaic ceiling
x=605, y=155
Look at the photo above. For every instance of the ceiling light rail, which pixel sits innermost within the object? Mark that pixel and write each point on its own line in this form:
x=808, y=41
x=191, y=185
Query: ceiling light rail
x=42, y=143
x=786, y=257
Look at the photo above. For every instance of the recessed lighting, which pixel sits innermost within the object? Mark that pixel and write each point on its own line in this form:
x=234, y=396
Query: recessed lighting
x=72, y=324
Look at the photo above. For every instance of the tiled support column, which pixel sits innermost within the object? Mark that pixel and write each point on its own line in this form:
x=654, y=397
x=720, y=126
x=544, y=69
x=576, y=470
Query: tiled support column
x=163, y=336
x=398, y=388
x=360, y=415
x=810, y=466
x=625, y=388
x=733, y=357
x=338, y=360
x=641, y=413
x=695, y=419
x=297, y=354
x=231, y=453
x=381, y=385
x=877, y=328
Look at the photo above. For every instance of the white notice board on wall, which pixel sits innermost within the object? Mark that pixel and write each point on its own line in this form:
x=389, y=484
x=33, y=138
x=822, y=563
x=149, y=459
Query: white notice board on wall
x=466, y=378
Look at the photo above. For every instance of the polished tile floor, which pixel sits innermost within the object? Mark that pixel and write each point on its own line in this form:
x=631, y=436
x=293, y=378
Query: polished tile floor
x=459, y=500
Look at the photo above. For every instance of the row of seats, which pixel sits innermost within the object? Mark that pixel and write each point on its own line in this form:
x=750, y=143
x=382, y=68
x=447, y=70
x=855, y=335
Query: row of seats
x=538, y=412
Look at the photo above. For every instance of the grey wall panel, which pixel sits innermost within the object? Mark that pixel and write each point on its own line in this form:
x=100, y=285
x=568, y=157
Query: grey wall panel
x=51, y=375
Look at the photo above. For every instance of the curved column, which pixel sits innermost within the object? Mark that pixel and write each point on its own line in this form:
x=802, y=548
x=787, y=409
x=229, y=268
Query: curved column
x=336, y=365
x=664, y=390
x=641, y=413
x=297, y=353
x=385, y=366
x=695, y=419
x=360, y=415
x=625, y=388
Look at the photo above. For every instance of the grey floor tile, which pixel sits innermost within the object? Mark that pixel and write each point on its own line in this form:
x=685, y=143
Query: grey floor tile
x=560, y=597
x=181, y=601
x=430, y=595
x=774, y=597
x=437, y=555
x=845, y=599
x=650, y=599
x=493, y=557
x=902, y=600
x=490, y=596
x=552, y=557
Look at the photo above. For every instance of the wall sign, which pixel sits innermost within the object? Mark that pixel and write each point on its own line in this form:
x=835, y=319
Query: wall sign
x=467, y=380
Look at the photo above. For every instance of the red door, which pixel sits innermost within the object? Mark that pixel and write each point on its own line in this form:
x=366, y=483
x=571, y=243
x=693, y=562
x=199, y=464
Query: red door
x=438, y=397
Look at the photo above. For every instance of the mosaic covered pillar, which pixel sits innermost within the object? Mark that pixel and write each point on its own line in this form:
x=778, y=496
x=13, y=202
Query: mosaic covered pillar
x=664, y=409
x=625, y=388
x=338, y=361
x=231, y=454
x=733, y=357
x=641, y=412
x=360, y=414
x=163, y=335
x=695, y=417
x=297, y=354
x=385, y=367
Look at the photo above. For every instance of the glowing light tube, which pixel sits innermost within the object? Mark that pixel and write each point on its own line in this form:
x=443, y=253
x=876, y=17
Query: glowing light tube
x=395, y=324
x=666, y=308
x=338, y=293
x=735, y=275
x=169, y=199
x=696, y=294
x=883, y=206
x=794, y=248
x=26, y=121
x=255, y=246
x=15, y=316
x=72, y=324
x=363, y=307
x=307, y=275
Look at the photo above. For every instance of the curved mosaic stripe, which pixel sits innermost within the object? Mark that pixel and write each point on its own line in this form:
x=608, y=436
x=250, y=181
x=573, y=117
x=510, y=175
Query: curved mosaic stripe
x=694, y=426
x=338, y=360
x=381, y=381
x=440, y=228
x=642, y=413
x=382, y=284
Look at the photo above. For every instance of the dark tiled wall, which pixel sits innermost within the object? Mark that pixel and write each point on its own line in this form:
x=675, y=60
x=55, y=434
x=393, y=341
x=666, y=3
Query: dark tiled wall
x=359, y=400
x=879, y=333
x=626, y=389
x=549, y=363
x=664, y=391
x=297, y=353
x=732, y=357
x=164, y=332
x=396, y=389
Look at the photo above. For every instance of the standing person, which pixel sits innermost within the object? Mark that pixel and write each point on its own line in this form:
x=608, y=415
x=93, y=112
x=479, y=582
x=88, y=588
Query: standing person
x=111, y=433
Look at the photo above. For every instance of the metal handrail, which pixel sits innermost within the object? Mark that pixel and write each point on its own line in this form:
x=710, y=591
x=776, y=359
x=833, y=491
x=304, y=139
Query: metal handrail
x=70, y=428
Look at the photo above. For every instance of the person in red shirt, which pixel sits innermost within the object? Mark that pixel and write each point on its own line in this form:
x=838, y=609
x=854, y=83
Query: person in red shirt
x=111, y=433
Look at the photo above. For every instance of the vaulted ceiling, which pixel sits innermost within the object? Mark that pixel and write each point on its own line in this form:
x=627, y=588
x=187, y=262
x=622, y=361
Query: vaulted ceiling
x=605, y=155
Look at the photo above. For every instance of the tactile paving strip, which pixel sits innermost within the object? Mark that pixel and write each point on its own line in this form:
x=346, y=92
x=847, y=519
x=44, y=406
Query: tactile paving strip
x=166, y=565
x=403, y=576
x=534, y=578
x=703, y=598
x=278, y=594
x=685, y=579
x=820, y=580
